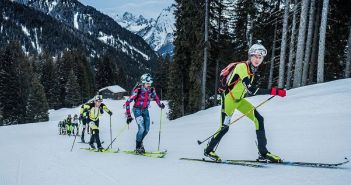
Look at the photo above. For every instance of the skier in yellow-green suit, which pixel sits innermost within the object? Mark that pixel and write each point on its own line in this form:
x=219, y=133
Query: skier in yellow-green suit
x=94, y=111
x=238, y=83
x=69, y=126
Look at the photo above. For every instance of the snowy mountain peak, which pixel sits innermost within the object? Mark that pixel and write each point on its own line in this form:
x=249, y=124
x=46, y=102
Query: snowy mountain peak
x=128, y=16
x=157, y=33
x=131, y=18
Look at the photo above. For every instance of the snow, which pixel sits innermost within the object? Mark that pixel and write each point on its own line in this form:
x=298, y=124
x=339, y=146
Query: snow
x=146, y=57
x=76, y=25
x=110, y=40
x=310, y=124
x=105, y=38
x=51, y=5
x=4, y=16
x=25, y=30
x=114, y=89
x=39, y=49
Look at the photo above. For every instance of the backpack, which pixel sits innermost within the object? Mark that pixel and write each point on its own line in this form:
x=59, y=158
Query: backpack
x=225, y=75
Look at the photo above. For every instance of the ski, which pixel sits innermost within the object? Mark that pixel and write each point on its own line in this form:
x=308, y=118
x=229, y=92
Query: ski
x=152, y=154
x=156, y=152
x=238, y=163
x=102, y=142
x=293, y=163
x=103, y=151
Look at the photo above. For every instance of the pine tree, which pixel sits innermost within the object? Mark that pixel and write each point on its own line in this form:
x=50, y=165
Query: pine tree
x=24, y=73
x=10, y=96
x=106, y=72
x=348, y=54
x=271, y=69
x=1, y=116
x=221, y=50
x=176, y=91
x=63, y=68
x=245, y=13
x=82, y=70
x=196, y=68
x=162, y=76
x=37, y=106
x=72, y=97
x=179, y=72
x=50, y=82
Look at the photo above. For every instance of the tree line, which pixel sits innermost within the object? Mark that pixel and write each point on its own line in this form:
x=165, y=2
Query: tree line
x=32, y=84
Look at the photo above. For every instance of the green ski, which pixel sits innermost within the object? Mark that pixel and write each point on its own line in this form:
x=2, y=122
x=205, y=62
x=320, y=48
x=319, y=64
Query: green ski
x=103, y=151
x=153, y=154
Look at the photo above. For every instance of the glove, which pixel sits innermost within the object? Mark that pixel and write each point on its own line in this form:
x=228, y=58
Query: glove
x=279, y=92
x=129, y=119
x=162, y=106
x=110, y=113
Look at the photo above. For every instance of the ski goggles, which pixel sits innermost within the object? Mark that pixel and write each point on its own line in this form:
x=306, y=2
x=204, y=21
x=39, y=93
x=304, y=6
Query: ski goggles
x=98, y=98
x=259, y=52
x=148, y=79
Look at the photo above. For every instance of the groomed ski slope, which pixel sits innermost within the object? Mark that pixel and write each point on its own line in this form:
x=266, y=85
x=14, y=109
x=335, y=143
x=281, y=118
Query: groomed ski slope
x=311, y=124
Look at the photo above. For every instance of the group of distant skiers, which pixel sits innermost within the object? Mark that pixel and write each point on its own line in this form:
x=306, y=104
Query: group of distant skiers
x=236, y=81
x=69, y=126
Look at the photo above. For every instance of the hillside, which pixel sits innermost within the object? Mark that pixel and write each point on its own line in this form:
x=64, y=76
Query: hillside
x=56, y=25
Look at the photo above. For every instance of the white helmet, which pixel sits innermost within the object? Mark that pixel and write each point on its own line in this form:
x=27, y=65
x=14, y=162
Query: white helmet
x=146, y=78
x=257, y=49
x=98, y=98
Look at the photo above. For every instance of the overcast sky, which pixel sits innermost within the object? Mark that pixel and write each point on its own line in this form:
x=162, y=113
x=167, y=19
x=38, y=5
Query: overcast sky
x=147, y=8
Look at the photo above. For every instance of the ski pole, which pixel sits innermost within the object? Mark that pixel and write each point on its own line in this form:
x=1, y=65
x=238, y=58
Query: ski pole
x=159, y=132
x=118, y=134
x=110, y=132
x=200, y=142
x=75, y=137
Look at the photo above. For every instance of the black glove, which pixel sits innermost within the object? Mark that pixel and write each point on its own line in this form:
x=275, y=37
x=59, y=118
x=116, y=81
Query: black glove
x=129, y=119
x=110, y=113
x=162, y=106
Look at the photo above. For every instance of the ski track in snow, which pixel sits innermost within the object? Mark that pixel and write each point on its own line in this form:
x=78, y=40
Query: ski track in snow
x=310, y=124
x=19, y=174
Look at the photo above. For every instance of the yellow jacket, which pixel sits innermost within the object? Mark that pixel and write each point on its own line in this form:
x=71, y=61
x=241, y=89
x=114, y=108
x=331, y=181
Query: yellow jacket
x=93, y=113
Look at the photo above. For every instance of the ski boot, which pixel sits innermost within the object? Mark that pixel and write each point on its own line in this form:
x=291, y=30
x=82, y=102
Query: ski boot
x=100, y=149
x=92, y=145
x=142, y=147
x=139, y=149
x=270, y=158
x=212, y=155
